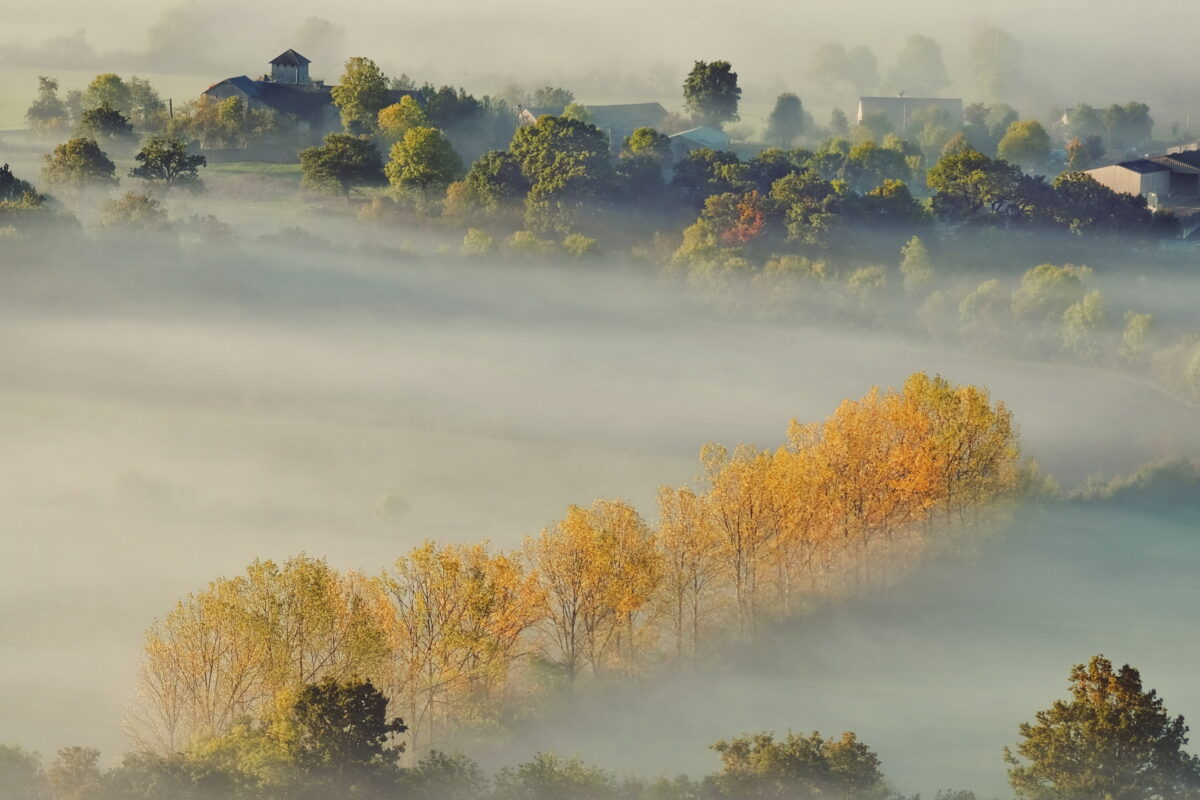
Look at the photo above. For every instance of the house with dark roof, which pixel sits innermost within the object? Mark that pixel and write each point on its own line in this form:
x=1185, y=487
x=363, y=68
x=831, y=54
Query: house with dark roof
x=1167, y=180
x=290, y=92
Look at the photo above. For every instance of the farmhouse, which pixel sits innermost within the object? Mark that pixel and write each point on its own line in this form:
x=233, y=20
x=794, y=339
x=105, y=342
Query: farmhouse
x=291, y=93
x=899, y=110
x=618, y=121
x=1171, y=179
x=684, y=142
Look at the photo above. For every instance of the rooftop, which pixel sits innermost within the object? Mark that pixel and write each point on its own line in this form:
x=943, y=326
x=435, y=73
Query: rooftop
x=290, y=58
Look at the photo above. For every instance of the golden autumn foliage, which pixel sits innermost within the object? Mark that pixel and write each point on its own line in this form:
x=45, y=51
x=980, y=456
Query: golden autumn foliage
x=457, y=635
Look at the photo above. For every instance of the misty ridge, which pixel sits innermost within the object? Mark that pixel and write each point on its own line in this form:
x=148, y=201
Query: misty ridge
x=352, y=446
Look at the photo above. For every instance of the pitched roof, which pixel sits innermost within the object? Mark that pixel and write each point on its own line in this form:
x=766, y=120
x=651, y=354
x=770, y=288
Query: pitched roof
x=628, y=114
x=1187, y=162
x=705, y=137
x=290, y=58
x=241, y=82
x=1141, y=165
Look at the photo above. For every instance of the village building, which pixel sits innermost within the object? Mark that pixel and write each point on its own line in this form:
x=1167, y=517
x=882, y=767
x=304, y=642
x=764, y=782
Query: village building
x=617, y=121
x=899, y=110
x=1169, y=180
x=290, y=92
x=685, y=142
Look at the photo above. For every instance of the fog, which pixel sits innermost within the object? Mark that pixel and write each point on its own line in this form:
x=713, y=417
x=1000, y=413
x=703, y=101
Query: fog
x=1098, y=51
x=170, y=414
x=171, y=411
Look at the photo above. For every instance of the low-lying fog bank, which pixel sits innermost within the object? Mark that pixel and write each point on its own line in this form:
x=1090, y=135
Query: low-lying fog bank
x=165, y=422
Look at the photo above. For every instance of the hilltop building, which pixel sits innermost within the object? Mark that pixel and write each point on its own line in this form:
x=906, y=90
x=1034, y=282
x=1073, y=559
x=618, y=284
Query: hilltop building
x=899, y=110
x=292, y=93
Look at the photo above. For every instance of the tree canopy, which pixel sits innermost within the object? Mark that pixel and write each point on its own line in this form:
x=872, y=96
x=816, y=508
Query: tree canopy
x=711, y=93
x=1111, y=739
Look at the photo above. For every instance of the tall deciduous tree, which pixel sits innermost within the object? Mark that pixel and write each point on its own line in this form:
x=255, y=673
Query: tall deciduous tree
x=342, y=162
x=786, y=121
x=399, y=118
x=424, y=160
x=165, y=160
x=78, y=162
x=919, y=69
x=48, y=114
x=1111, y=739
x=711, y=93
x=361, y=95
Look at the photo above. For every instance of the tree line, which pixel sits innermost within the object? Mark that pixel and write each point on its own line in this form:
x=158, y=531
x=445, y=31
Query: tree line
x=460, y=636
x=1112, y=738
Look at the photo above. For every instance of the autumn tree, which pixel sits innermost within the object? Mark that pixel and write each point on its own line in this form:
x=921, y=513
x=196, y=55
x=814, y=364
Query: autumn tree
x=399, y=118
x=1111, y=739
x=455, y=617
x=592, y=596
x=230, y=650
x=712, y=94
x=692, y=577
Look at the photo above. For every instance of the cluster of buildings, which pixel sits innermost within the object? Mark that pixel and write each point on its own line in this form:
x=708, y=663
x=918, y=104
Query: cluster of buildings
x=290, y=91
x=1168, y=180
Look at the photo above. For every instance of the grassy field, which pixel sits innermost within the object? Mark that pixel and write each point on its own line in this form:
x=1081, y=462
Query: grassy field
x=289, y=172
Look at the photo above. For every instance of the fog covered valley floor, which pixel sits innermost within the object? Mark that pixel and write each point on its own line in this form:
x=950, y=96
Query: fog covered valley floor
x=170, y=417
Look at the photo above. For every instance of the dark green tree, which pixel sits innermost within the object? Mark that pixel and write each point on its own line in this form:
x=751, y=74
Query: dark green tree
x=21, y=776
x=548, y=777
x=569, y=168
x=105, y=122
x=1128, y=125
x=701, y=173
x=340, y=731
x=1112, y=739
x=165, y=160
x=12, y=188
x=796, y=766
x=495, y=181
x=552, y=97
x=342, y=162
x=786, y=121
x=711, y=92
x=47, y=113
x=78, y=162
